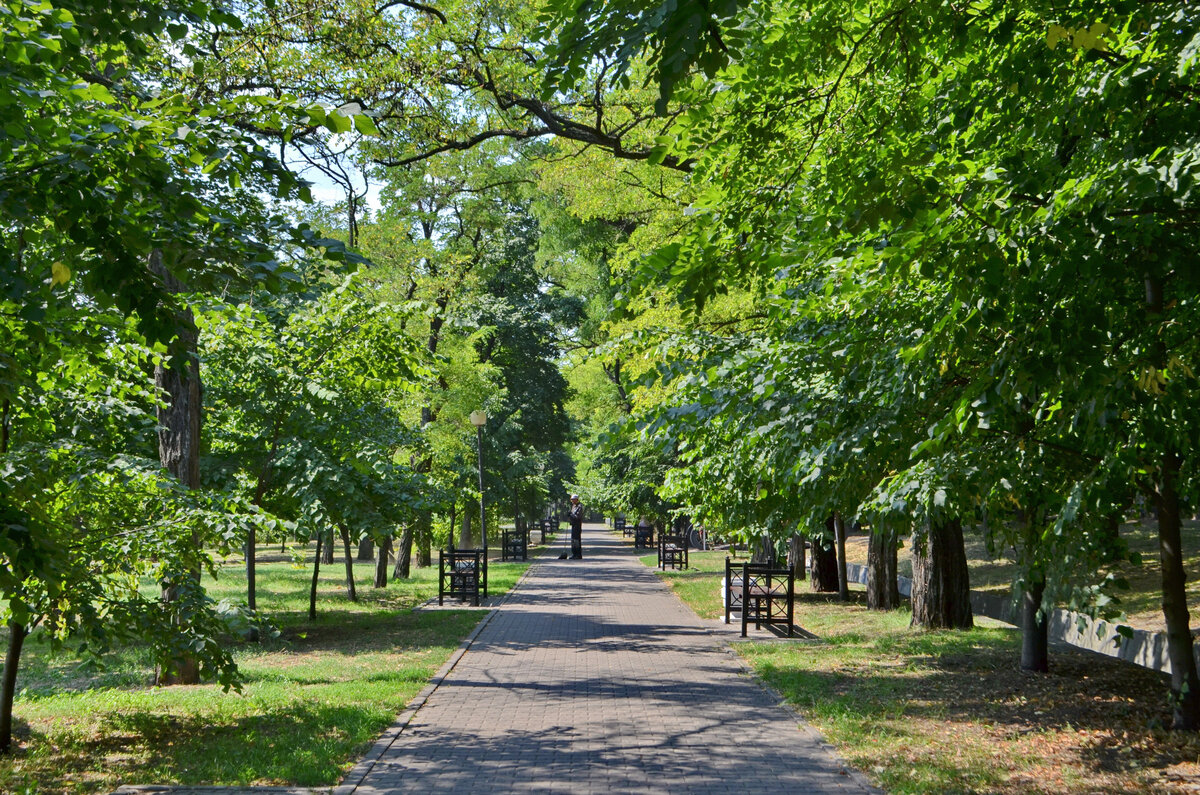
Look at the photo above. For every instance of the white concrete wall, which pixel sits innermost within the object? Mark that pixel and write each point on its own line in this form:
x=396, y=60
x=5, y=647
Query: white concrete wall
x=1147, y=649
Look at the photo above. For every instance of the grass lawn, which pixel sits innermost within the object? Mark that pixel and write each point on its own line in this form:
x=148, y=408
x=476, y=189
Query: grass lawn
x=314, y=699
x=923, y=712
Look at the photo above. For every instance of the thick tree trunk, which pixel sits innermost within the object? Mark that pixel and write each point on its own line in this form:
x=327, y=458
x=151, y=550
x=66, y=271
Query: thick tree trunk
x=941, y=596
x=403, y=569
x=1185, y=685
x=312, y=590
x=350, y=591
x=381, y=563
x=839, y=532
x=764, y=551
x=796, y=556
x=327, y=550
x=1035, y=626
x=824, y=561
x=366, y=549
x=883, y=589
x=423, y=540
x=8, y=688
x=178, y=377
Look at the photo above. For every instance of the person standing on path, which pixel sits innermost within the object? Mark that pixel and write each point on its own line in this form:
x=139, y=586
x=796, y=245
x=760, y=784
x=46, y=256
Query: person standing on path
x=575, y=517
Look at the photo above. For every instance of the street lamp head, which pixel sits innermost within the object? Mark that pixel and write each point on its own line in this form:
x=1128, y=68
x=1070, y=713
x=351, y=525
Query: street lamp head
x=478, y=419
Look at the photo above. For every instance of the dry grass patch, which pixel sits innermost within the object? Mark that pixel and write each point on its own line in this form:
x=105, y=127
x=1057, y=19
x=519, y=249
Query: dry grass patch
x=923, y=712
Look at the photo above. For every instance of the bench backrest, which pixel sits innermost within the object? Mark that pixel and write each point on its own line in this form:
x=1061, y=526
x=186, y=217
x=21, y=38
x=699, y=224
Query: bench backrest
x=760, y=575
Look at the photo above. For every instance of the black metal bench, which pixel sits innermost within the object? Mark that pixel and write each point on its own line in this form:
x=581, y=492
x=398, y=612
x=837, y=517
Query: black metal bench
x=672, y=552
x=462, y=574
x=643, y=536
x=514, y=544
x=761, y=592
x=621, y=527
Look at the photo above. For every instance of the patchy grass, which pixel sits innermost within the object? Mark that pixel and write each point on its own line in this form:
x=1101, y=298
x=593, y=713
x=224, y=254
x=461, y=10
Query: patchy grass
x=314, y=699
x=923, y=712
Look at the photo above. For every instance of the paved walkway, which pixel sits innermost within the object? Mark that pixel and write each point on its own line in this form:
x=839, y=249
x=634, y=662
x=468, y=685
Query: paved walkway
x=593, y=677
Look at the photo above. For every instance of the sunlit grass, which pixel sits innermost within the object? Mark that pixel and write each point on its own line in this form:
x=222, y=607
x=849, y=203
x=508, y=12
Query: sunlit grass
x=314, y=699
x=923, y=712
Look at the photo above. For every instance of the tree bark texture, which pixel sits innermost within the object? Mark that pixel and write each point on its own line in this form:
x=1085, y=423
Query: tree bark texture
x=423, y=540
x=796, y=556
x=381, y=563
x=8, y=688
x=350, y=592
x=403, y=569
x=883, y=588
x=764, y=550
x=178, y=377
x=327, y=549
x=366, y=549
x=1035, y=627
x=312, y=590
x=824, y=563
x=251, y=571
x=1185, y=685
x=839, y=532
x=941, y=596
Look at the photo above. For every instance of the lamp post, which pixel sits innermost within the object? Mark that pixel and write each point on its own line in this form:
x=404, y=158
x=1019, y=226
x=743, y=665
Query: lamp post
x=479, y=419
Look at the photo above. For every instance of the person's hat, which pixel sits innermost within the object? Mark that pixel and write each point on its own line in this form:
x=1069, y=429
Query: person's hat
x=574, y=496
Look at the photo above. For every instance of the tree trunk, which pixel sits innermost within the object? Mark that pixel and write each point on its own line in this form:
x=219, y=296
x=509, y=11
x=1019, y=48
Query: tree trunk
x=423, y=540
x=381, y=563
x=403, y=568
x=464, y=534
x=1185, y=685
x=366, y=549
x=8, y=689
x=796, y=556
x=1110, y=535
x=518, y=522
x=839, y=532
x=251, y=573
x=1035, y=627
x=941, y=596
x=824, y=561
x=452, y=524
x=350, y=592
x=883, y=589
x=178, y=377
x=327, y=551
x=312, y=591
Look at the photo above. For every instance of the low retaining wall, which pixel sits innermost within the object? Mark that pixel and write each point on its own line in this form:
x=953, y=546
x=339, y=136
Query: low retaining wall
x=1147, y=649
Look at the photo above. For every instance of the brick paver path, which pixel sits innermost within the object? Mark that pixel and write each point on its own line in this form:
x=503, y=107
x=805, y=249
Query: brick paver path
x=593, y=677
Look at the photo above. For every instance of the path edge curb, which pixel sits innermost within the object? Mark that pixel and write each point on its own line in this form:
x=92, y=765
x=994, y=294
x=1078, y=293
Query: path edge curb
x=357, y=774
x=802, y=724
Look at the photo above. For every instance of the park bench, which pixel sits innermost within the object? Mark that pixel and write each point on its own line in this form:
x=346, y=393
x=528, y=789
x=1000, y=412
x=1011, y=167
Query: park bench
x=514, y=544
x=672, y=551
x=761, y=592
x=643, y=536
x=462, y=574
x=621, y=527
